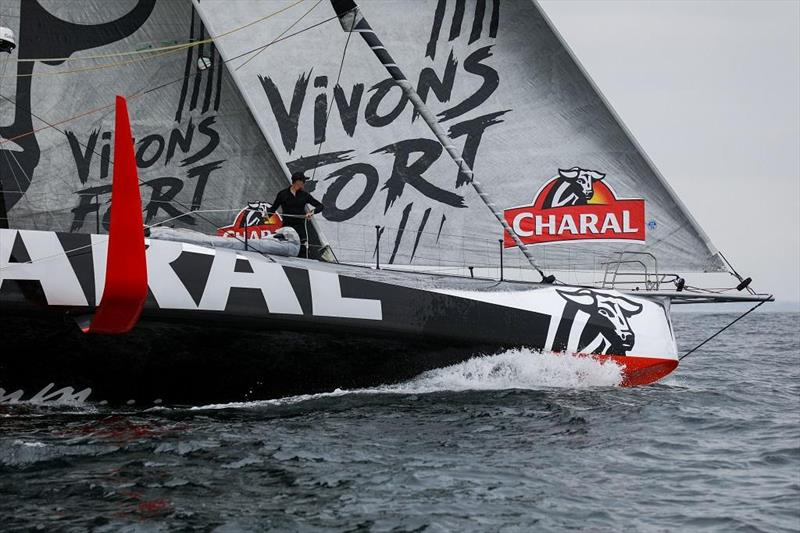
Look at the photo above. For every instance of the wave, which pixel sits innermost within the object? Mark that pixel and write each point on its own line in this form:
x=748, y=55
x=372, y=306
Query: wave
x=515, y=369
x=512, y=369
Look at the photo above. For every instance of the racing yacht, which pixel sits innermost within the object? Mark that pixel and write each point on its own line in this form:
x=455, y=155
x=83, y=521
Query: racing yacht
x=480, y=195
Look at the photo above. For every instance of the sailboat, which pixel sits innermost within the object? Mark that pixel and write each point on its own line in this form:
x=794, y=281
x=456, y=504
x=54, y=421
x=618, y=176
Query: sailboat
x=470, y=170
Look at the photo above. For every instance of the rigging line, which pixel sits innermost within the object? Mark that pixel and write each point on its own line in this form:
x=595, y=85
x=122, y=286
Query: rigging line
x=53, y=256
x=147, y=91
x=94, y=68
x=20, y=191
x=330, y=104
x=174, y=201
x=734, y=272
x=280, y=35
x=199, y=43
x=759, y=304
x=111, y=161
x=172, y=47
x=159, y=223
x=24, y=174
x=30, y=181
x=227, y=61
x=298, y=32
x=152, y=89
x=55, y=124
x=14, y=176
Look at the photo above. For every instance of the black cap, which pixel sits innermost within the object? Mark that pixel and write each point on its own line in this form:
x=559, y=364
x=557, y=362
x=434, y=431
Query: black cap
x=299, y=176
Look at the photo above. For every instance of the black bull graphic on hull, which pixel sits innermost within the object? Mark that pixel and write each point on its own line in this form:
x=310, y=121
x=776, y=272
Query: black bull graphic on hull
x=607, y=331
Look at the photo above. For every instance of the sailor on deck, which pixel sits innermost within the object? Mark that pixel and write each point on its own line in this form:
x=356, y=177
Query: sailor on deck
x=293, y=201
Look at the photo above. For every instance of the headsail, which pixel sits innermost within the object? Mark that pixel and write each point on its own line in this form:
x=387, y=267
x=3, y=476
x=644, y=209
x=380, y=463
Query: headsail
x=505, y=87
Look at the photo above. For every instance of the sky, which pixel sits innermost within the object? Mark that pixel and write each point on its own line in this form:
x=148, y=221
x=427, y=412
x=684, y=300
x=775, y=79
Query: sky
x=711, y=90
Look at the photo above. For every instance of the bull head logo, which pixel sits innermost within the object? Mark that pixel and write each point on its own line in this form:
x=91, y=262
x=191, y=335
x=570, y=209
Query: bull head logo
x=574, y=186
x=607, y=331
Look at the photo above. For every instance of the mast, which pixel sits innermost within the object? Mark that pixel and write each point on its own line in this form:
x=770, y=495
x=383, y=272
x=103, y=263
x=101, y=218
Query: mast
x=352, y=20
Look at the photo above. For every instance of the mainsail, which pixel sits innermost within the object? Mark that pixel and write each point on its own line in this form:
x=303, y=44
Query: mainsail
x=200, y=154
x=504, y=86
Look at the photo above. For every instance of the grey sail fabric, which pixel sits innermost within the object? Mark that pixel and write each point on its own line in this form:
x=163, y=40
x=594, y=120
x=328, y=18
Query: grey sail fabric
x=200, y=154
x=508, y=92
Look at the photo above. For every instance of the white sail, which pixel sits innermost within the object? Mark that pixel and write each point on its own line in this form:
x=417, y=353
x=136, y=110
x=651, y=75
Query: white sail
x=200, y=154
x=219, y=124
x=508, y=91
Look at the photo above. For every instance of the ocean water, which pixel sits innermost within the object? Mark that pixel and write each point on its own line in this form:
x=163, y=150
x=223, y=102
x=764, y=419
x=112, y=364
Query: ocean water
x=511, y=442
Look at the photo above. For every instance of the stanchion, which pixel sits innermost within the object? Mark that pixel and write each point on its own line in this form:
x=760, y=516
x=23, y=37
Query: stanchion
x=501, y=258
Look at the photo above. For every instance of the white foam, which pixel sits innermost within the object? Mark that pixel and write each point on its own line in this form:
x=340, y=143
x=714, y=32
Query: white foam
x=34, y=444
x=512, y=369
x=515, y=369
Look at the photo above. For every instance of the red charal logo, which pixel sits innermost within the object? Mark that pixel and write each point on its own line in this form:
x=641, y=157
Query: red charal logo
x=252, y=218
x=577, y=204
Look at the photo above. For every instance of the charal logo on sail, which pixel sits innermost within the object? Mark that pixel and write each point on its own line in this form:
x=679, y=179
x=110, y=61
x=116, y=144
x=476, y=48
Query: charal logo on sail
x=577, y=204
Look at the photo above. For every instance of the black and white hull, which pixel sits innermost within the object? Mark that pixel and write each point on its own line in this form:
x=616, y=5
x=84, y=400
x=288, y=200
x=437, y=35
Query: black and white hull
x=226, y=325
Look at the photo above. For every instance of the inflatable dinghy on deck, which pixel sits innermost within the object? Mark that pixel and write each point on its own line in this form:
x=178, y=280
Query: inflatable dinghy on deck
x=284, y=242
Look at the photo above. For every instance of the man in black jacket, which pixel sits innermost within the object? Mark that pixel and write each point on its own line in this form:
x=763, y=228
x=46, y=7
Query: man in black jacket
x=293, y=203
